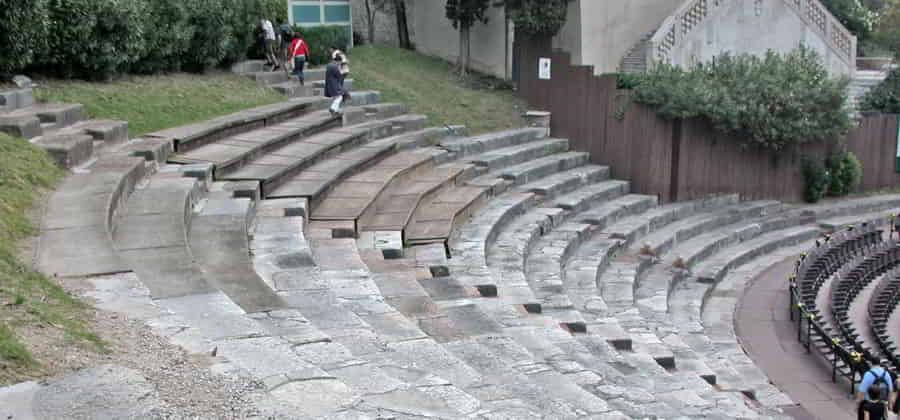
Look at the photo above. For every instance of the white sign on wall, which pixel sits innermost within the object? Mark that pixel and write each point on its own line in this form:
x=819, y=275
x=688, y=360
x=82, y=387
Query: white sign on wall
x=544, y=68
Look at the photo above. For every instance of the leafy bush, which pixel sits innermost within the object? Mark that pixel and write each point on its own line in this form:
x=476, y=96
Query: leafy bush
x=885, y=97
x=93, y=38
x=320, y=38
x=856, y=17
x=24, y=33
x=887, y=32
x=815, y=179
x=773, y=101
x=538, y=17
x=845, y=173
x=167, y=38
x=627, y=80
x=213, y=36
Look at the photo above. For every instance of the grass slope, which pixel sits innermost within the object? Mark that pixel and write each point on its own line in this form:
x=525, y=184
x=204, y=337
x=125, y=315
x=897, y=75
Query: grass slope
x=28, y=300
x=153, y=103
x=431, y=87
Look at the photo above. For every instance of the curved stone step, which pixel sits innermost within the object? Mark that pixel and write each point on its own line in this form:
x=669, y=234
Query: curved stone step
x=191, y=136
x=484, y=143
x=152, y=235
x=218, y=241
x=77, y=226
x=279, y=165
x=513, y=155
x=320, y=178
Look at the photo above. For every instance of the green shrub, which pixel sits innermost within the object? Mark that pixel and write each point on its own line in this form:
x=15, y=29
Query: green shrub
x=320, y=38
x=168, y=36
x=885, y=97
x=93, y=39
x=856, y=17
x=627, y=81
x=213, y=36
x=815, y=180
x=846, y=173
x=773, y=101
x=24, y=33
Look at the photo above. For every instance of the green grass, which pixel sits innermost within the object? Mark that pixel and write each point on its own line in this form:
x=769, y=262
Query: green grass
x=151, y=103
x=29, y=300
x=431, y=87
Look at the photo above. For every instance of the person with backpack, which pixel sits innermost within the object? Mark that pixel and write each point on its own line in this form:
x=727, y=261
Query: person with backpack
x=285, y=37
x=866, y=390
x=269, y=39
x=875, y=408
x=334, y=84
x=297, y=54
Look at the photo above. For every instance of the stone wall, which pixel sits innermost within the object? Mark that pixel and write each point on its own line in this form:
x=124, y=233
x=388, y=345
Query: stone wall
x=600, y=33
x=754, y=26
x=385, y=23
x=433, y=34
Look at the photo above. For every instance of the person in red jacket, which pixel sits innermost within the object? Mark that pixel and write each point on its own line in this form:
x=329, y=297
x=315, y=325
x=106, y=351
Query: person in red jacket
x=299, y=51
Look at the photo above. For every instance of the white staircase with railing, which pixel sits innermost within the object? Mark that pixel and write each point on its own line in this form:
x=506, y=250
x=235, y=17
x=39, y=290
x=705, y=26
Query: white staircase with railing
x=675, y=31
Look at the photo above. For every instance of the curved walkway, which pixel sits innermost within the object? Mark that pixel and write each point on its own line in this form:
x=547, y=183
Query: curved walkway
x=770, y=339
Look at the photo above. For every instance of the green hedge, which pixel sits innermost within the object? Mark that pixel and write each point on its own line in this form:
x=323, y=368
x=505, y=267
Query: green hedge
x=320, y=38
x=773, y=101
x=96, y=39
x=885, y=97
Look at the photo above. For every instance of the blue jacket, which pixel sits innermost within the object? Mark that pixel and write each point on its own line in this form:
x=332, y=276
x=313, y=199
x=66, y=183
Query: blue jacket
x=334, y=81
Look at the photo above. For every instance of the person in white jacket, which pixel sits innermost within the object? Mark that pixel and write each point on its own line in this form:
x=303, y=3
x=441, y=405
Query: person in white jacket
x=270, y=41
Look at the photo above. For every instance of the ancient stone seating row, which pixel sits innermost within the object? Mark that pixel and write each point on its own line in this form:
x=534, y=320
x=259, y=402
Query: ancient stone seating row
x=403, y=271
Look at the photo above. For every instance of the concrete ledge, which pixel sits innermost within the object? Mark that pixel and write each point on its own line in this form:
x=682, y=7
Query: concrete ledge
x=68, y=150
x=12, y=100
x=157, y=150
x=26, y=126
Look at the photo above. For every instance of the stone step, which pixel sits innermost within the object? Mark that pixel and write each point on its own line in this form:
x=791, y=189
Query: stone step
x=663, y=239
x=352, y=198
x=218, y=242
x=153, y=230
x=78, y=222
x=232, y=151
x=192, y=136
x=248, y=66
x=68, y=150
x=277, y=165
x=13, y=99
x=320, y=178
x=531, y=170
x=880, y=218
x=487, y=142
x=468, y=246
x=513, y=155
x=434, y=220
x=53, y=116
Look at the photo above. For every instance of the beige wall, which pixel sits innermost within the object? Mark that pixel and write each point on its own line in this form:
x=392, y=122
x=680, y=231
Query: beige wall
x=745, y=26
x=433, y=34
x=599, y=33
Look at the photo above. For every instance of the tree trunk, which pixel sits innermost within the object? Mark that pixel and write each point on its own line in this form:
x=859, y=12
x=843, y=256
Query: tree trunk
x=370, y=18
x=464, y=47
x=402, y=28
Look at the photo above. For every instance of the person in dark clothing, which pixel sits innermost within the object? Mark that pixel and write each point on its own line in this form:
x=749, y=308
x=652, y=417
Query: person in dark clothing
x=334, y=84
x=875, y=408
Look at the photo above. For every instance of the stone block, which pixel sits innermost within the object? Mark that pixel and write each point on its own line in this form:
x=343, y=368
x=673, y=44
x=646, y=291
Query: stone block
x=68, y=150
x=27, y=126
x=152, y=150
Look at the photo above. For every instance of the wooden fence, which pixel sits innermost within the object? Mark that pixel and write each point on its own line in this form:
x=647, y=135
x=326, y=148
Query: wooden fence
x=681, y=159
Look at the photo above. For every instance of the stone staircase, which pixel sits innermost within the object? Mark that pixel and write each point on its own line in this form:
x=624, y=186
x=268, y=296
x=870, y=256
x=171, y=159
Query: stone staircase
x=60, y=129
x=635, y=60
x=284, y=83
x=371, y=266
